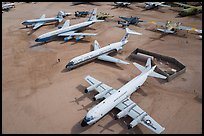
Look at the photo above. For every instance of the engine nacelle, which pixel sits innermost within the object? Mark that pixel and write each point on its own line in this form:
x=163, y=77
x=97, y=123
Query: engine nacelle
x=137, y=120
x=100, y=95
x=120, y=48
x=125, y=111
x=90, y=88
x=79, y=38
x=67, y=38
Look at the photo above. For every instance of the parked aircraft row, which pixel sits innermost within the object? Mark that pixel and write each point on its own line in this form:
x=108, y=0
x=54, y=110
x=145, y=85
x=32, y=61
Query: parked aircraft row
x=111, y=98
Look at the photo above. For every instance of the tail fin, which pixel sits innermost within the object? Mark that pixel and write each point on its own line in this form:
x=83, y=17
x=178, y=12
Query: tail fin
x=93, y=15
x=148, y=68
x=60, y=16
x=128, y=31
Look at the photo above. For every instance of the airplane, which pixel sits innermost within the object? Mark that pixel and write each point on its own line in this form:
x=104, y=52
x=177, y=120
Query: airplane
x=103, y=16
x=81, y=13
x=171, y=28
x=101, y=53
x=122, y=4
x=36, y=23
x=153, y=5
x=189, y=9
x=69, y=31
x=120, y=99
x=129, y=21
x=7, y=6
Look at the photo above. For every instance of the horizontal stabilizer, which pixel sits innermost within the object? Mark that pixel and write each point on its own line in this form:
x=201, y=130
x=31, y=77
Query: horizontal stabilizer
x=111, y=59
x=131, y=32
x=157, y=75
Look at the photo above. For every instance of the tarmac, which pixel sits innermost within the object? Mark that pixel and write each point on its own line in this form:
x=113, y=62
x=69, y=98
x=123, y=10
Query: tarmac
x=40, y=96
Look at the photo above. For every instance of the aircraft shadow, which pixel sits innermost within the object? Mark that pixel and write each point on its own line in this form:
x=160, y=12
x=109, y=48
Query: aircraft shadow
x=155, y=9
x=37, y=44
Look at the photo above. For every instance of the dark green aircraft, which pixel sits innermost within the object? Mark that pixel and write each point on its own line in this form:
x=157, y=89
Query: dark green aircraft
x=189, y=9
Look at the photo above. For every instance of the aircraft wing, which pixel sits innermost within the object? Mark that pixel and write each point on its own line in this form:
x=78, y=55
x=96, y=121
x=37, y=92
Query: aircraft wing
x=161, y=4
x=37, y=25
x=188, y=28
x=99, y=86
x=140, y=116
x=124, y=18
x=165, y=31
x=158, y=23
x=184, y=5
x=105, y=57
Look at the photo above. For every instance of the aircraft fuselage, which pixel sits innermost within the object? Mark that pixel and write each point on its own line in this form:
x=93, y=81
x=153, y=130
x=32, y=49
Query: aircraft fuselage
x=49, y=35
x=94, y=54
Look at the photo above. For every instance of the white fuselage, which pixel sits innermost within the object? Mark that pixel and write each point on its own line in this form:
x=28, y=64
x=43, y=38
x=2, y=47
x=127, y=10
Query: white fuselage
x=76, y=27
x=120, y=95
x=33, y=21
x=94, y=54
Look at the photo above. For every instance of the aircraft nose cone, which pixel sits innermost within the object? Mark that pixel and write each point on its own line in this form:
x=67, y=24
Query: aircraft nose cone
x=37, y=40
x=84, y=123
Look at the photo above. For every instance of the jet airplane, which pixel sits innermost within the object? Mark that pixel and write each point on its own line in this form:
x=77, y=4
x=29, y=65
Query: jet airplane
x=153, y=5
x=171, y=28
x=189, y=9
x=129, y=21
x=69, y=31
x=102, y=53
x=36, y=23
x=120, y=99
x=7, y=6
x=122, y=4
x=81, y=13
x=103, y=16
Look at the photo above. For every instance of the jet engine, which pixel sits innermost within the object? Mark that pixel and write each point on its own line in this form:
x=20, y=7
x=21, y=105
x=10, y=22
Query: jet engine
x=137, y=120
x=125, y=111
x=79, y=38
x=67, y=38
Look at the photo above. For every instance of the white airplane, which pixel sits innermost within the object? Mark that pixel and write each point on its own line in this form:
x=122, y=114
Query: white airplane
x=69, y=31
x=7, y=6
x=152, y=5
x=101, y=53
x=36, y=23
x=121, y=99
x=122, y=4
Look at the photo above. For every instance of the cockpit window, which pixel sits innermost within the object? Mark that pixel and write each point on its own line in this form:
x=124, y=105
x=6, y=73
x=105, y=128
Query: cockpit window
x=70, y=63
x=89, y=118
